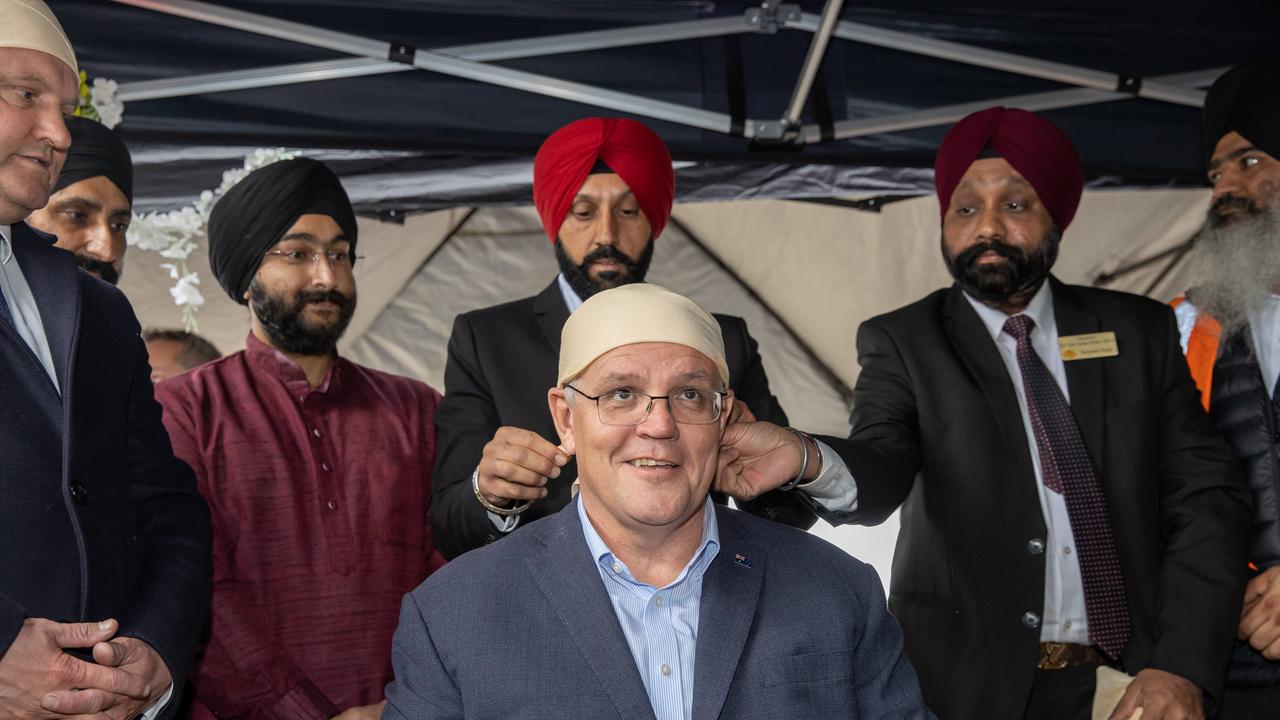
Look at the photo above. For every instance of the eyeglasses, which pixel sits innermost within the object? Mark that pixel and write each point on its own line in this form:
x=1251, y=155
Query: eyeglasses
x=624, y=406
x=338, y=259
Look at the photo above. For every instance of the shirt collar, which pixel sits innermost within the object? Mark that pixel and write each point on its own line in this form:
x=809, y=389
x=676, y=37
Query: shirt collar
x=267, y=359
x=708, y=546
x=571, y=299
x=6, y=249
x=1040, y=310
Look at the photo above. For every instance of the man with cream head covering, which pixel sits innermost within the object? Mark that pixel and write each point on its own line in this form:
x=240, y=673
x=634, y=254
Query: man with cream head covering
x=1066, y=504
x=642, y=598
x=104, y=541
x=92, y=202
x=604, y=189
x=317, y=470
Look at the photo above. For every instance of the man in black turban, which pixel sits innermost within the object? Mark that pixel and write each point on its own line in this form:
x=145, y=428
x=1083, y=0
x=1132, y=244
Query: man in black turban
x=283, y=241
x=1230, y=322
x=92, y=202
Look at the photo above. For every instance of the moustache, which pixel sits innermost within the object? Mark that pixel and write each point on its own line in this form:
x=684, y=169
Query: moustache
x=103, y=270
x=1227, y=205
x=971, y=254
x=306, y=297
x=606, y=252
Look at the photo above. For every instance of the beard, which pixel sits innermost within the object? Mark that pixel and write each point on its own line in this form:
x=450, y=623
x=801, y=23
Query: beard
x=1235, y=262
x=104, y=271
x=996, y=283
x=1229, y=209
x=579, y=277
x=284, y=319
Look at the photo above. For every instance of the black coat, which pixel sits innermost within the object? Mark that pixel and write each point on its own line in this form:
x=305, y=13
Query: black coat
x=936, y=424
x=502, y=360
x=98, y=519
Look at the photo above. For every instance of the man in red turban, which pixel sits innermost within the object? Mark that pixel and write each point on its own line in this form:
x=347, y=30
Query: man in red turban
x=1066, y=503
x=603, y=188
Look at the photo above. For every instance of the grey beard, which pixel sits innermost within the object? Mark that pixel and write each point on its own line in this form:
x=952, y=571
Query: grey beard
x=1234, y=268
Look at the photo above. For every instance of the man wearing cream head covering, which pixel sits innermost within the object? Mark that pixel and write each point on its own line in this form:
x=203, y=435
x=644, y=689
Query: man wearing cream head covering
x=604, y=189
x=642, y=598
x=104, y=541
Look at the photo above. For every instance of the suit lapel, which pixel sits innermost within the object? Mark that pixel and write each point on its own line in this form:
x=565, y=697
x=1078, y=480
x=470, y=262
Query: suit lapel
x=551, y=313
x=730, y=593
x=54, y=283
x=568, y=576
x=979, y=354
x=1085, y=378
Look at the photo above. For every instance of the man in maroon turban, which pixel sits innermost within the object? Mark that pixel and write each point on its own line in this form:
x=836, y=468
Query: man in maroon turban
x=1066, y=503
x=603, y=188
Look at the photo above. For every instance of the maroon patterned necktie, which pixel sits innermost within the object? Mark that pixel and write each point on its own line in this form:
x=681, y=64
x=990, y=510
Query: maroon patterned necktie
x=1067, y=470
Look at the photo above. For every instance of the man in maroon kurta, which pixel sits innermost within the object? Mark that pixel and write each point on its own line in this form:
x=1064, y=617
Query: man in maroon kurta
x=317, y=470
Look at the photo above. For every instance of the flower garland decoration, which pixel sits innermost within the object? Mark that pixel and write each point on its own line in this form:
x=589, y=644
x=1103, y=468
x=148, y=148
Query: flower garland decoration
x=100, y=101
x=177, y=233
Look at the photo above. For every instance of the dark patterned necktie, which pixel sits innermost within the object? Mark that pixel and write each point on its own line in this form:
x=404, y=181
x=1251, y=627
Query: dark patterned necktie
x=5, y=315
x=1067, y=470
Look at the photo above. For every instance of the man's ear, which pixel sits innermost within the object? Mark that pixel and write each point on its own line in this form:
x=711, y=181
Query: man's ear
x=562, y=416
x=726, y=410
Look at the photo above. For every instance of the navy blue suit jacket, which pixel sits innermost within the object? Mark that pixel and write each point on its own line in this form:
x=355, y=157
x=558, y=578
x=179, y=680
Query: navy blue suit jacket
x=789, y=626
x=97, y=518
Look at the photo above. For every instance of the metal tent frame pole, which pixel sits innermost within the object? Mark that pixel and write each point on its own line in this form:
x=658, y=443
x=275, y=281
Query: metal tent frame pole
x=946, y=114
x=472, y=62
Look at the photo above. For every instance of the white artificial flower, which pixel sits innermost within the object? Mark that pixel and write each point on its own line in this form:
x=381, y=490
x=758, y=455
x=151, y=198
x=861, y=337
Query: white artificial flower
x=185, y=292
x=105, y=98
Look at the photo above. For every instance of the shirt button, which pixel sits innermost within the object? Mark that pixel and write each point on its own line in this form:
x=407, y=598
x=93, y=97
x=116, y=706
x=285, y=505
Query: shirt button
x=1031, y=620
x=665, y=670
x=617, y=568
x=1035, y=546
x=324, y=466
x=1066, y=550
x=316, y=432
x=332, y=505
x=79, y=495
x=1066, y=625
x=657, y=600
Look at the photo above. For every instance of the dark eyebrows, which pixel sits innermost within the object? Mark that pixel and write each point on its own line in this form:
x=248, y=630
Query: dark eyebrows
x=587, y=197
x=76, y=202
x=1233, y=155
x=1009, y=180
x=308, y=237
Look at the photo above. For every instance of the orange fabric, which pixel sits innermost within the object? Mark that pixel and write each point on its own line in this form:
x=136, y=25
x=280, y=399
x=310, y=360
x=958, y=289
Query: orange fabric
x=1202, y=352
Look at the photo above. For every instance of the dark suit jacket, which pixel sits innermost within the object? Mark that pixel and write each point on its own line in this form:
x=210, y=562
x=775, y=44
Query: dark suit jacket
x=936, y=423
x=98, y=519
x=789, y=626
x=501, y=362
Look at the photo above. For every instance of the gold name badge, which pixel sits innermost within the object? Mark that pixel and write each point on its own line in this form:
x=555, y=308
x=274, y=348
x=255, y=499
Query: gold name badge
x=1088, y=347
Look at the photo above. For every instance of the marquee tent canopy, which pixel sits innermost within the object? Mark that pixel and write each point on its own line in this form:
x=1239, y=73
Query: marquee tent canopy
x=436, y=103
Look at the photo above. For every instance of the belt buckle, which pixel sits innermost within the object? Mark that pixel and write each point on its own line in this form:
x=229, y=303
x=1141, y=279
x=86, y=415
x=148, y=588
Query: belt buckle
x=1054, y=656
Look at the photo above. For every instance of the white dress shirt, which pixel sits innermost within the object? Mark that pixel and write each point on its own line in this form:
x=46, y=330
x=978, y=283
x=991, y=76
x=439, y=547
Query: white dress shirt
x=1063, y=619
x=22, y=306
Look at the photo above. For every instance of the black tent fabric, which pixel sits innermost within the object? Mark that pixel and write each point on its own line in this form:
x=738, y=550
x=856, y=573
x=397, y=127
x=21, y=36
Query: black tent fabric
x=414, y=140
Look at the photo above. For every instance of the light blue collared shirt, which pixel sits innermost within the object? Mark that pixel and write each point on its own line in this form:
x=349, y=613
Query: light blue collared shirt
x=660, y=624
x=22, y=306
x=571, y=299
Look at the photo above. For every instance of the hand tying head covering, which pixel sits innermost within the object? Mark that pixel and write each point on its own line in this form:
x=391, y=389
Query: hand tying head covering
x=1032, y=145
x=1246, y=99
x=31, y=25
x=96, y=150
x=625, y=146
x=636, y=313
x=256, y=213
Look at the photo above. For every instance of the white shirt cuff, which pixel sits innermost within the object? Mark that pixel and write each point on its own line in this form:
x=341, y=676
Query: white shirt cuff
x=503, y=524
x=834, y=488
x=158, y=706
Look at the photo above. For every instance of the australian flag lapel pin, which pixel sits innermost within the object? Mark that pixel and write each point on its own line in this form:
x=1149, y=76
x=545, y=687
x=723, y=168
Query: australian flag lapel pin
x=742, y=560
